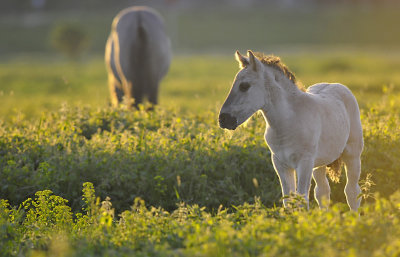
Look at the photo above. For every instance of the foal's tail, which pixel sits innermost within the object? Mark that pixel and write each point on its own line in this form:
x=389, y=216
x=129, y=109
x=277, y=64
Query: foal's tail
x=334, y=170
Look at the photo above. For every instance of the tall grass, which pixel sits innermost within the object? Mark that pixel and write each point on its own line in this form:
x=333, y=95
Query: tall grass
x=45, y=226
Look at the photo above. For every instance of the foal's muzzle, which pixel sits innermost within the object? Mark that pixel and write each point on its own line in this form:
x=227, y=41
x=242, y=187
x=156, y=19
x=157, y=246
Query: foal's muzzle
x=227, y=121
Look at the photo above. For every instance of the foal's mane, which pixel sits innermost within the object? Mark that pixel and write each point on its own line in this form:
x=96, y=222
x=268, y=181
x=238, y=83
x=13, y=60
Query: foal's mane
x=275, y=62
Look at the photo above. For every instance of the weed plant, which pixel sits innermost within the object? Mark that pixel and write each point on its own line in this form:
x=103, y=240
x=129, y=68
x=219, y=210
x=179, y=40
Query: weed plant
x=45, y=226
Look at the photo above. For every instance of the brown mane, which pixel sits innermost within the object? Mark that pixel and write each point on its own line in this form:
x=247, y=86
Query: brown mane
x=275, y=62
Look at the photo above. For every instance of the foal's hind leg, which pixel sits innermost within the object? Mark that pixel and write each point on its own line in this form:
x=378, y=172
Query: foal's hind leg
x=322, y=190
x=352, y=189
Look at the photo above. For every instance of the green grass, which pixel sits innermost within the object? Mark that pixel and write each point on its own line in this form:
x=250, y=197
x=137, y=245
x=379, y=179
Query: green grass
x=33, y=85
x=205, y=191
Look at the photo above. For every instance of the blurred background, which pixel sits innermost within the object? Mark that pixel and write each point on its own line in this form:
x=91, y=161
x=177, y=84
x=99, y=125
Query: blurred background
x=51, y=51
x=207, y=26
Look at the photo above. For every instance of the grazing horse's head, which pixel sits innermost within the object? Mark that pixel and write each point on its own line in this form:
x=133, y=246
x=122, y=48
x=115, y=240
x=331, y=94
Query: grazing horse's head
x=248, y=93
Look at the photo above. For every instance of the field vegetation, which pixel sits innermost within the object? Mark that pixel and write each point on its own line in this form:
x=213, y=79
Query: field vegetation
x=172, y=183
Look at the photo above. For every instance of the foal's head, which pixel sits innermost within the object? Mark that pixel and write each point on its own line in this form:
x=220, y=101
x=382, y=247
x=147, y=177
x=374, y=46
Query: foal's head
x=248, y=93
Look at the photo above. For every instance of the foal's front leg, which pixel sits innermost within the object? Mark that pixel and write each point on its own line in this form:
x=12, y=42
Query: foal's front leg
x=304, y=172
x=287, y=178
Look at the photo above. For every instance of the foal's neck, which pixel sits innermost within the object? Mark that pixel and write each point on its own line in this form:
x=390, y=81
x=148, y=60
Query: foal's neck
x=285, y=98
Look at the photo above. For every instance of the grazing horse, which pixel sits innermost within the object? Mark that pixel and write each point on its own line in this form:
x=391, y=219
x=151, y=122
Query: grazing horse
x=137, y=56
x=307, y=130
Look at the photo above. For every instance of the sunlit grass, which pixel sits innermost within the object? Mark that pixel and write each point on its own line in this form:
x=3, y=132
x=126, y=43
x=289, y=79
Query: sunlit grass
x=194, y=83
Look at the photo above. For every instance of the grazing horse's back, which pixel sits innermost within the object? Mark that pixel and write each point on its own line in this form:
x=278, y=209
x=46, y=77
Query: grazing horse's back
x=137, y=55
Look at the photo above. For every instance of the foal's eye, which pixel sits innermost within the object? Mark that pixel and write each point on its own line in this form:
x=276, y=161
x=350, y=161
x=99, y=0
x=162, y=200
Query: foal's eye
x=244, y=86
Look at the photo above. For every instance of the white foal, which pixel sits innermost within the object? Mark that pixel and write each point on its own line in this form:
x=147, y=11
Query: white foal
x=306, y=130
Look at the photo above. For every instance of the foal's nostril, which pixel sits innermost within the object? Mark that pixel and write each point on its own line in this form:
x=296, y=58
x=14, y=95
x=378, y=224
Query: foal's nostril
x=227, y=121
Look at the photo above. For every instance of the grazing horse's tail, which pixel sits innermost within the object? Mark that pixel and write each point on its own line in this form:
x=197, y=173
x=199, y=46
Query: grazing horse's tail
x=334, y=170
x=138, y=60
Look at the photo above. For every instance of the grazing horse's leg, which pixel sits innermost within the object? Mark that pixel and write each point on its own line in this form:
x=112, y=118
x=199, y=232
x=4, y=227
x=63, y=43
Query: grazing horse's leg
x=304, y=173
x=153, y=99
x=322, y=190
x=352, y=189
x=136, y=92
x=286, y=176
x=115, y=90
x=153, y=93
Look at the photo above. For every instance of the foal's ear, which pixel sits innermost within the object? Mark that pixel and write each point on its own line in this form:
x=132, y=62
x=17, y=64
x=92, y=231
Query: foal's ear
x=254, y=62
x=243, y=61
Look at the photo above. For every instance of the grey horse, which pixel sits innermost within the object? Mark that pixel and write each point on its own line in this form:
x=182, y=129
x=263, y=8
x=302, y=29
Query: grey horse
x=137, y=56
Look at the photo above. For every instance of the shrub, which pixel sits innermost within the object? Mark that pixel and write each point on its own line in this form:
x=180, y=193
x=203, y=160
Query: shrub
x=190, y=230
x=70, y=39
x=156, y=155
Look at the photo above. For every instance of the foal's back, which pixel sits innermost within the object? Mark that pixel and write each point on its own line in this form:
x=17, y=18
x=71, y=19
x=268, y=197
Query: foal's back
x=338, y=100
x=332, y=93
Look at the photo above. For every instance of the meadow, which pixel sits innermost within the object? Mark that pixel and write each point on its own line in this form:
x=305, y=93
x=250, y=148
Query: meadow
x=79, y=178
